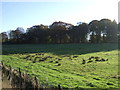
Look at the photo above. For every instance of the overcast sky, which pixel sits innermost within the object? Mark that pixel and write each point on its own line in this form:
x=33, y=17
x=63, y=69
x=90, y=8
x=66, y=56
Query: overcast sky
x=26, y=13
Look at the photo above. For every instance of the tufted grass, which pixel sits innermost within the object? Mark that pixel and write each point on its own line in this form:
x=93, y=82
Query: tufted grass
x=63, y=65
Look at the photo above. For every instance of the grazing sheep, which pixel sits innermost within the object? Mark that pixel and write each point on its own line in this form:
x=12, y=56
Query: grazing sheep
x=49, y=57
x=56, y=62
x=103, y=59
x=106, y=59
x=59, y=59
x=33, y=61
x=27, y=56
x=59, y=64
x=44, y=59
x=97, y=58
x=50, y=61
x=75, y=56
x=83, y=62
x=89, y=61
x=90, y=58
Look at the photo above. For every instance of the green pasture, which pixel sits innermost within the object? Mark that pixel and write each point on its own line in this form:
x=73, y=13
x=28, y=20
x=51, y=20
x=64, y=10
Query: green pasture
x=68, y=65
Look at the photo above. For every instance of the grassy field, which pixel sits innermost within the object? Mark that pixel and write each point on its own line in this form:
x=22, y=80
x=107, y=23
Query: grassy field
x=68, y=65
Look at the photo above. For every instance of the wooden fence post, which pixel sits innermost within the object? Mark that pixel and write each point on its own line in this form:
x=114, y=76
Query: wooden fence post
x=36, y=83
x=20, y=82
x=59, y=87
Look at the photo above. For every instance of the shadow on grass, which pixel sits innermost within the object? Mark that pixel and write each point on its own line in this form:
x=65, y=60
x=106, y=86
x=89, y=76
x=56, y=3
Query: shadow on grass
x=59, y=49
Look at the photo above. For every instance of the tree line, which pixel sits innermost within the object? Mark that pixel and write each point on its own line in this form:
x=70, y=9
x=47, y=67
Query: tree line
x=97, y=31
